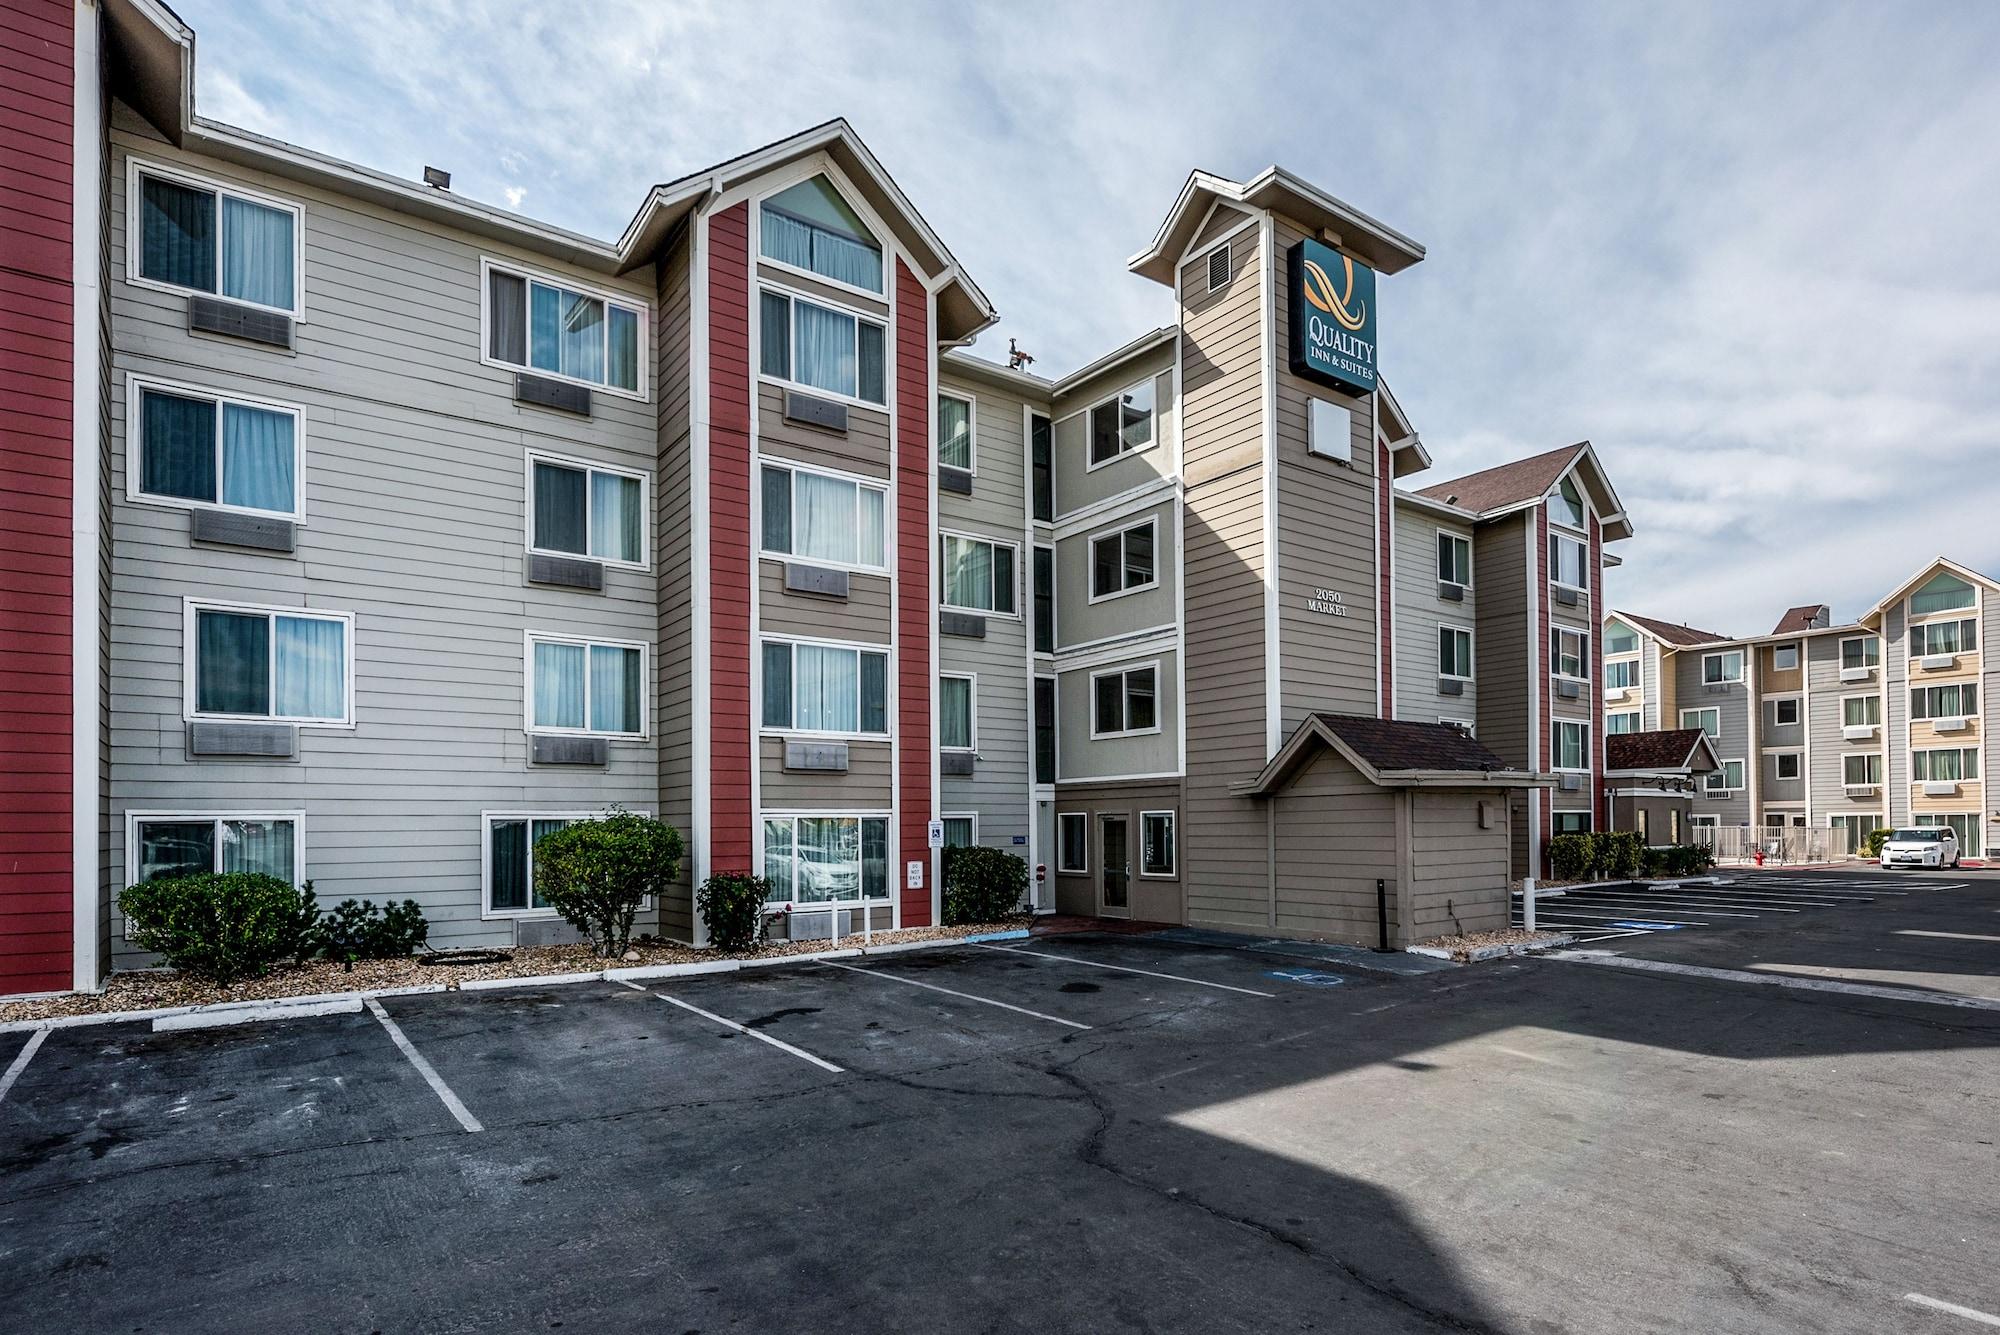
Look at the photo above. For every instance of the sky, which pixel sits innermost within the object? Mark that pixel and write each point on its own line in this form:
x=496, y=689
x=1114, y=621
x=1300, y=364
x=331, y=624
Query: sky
x=1749, y=251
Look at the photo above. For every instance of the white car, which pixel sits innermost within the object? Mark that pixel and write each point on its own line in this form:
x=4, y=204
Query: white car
x=1923, y=846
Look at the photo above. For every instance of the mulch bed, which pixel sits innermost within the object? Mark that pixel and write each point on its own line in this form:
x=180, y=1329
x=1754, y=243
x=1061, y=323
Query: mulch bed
x=1462, y=945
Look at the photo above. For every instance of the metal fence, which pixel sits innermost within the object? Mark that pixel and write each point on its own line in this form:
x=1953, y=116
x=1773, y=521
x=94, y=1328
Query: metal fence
x=1791, y=845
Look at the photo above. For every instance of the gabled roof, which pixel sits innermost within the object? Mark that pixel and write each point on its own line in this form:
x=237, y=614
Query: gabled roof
x=1682, y=750
x=1679, y=635
x=1966, y=573
x=1804, y=617
x=1507, y=487
x=1391, y=753
x=1375, y=244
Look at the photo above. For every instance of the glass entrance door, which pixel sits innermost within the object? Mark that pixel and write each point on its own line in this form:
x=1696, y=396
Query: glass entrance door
x=1116, y=861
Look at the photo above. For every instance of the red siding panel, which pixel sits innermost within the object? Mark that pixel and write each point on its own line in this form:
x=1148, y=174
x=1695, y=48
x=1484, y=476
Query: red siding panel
x=36, y=466
x=731, y=744
x=914, y=541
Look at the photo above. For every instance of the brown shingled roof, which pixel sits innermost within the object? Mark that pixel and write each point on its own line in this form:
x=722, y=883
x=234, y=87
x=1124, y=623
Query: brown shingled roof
x=1398, y=744
x=1669, y=748
x=1669, y=631
x=1508, y=484
x=1800, y=618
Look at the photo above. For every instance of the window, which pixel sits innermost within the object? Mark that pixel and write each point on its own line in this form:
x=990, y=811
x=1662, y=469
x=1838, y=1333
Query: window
x=1856, y=829
x=1455, y=653
x=1943, y=637
x=1861, y=771
x=826, y=688
x=211, y=449
x=1935, y=702
x=1073, y=842
x=811, y=227
x=826, y=859
x=1566, y=506
x=277, y=664
x=1787, y=764
x=1045, y=600
x=1569, y=654
x=1621, y=675
x=511, y=837
x=1156, y=843
x=1951, y=764
x=1042, y=464
x=1620, y=639
x=1464, y=725
x=580, y=510
x=955, y=442
x=1861, y=711
x=961, y=831
x=210, y=238
x=1571, y=745
x=1122, y=562
x=1728, y=779
x=543, y=326
x=1329, y=430
x=1570, y=822
x=1624, y=721
x=1122, y=424
x=1784, y=658
x=1125, y=702
x=1724, y=667
x=592, y=687
x=1218, y=267
x=821, y=348
x=1454, y=558
x=824, y=518
x=1708, y=720
x=978, y=575
x=1944, y=592
x=958, y=726
x=1785, y=713
x=1045, y=730
x=1864, y=652
x=1567, y=559
x=160, y=845
x=1966, y=826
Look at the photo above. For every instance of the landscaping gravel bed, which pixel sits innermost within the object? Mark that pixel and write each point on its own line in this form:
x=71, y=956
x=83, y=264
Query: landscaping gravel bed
x=1464, y=946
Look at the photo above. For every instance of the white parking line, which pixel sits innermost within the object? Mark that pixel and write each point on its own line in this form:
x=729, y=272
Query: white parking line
x=1148, y=973
x=728, y=1023
x=1939, y=1305
x=1620, y=915
x=425, y=1069
x=963, y=996
x=1668, y=904
x=21, y=1060
x=1776, y=980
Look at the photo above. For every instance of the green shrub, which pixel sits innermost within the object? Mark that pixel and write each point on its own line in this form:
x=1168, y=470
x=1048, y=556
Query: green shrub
x=1618, y=853
x=731, y=904
x=1678, y=860
x=222, y=926
x=1570, y=857
x=595, y=873
x=982, y=884
x=1877, y=838
x=357, y=930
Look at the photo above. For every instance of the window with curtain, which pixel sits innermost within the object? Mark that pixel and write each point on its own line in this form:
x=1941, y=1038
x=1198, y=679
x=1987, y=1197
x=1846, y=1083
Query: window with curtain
x=1122, y=562
x=821, y=348
x=1623, y=721
x=1621, y=674
x=1572, y=744
x=255, y=663
x=212, y=450
x=1567, y=504
x=961, y=831
x=955, y=725
x=581, y=686
x=1861, y=771
x=1567, y=560
x=810, y=226
x=544, y=327
x=813, y=860
x=1952, y=763
x=1934, y=702
x=1125, y=702
x=579, y=510
x=978, y=575
x=1717, y=669
x=1944, y=637
x=1122, y=423
x=1861, y=711
x=510, y=861
x=1454, y=558
x=1569, y=654
x=954, y=432
x=1708, y=720
x=1620, y=639
x=823, y=518
x=1455, y=653
x=825, y=688
x=208, y=238
x=1865, y=652
x=186, y=845
x=1156, y=843
x=1943, y=592
x=1570, y=822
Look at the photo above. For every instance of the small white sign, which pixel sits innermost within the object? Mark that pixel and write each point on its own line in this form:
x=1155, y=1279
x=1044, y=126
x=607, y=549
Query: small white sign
x=913, y=874
x=937, y=834
x=1327, y=602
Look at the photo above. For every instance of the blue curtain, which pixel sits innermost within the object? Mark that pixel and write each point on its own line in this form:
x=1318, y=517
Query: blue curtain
x=559, y=686
x=954, y=713
x=614, y=689
x=177, y=446
x=507, y=864
x=615, y=517
x=583, y=337
x=824, y=344
x=257, y=459
x=559, y=508
x=312, y=668
x=544, y=328
x=853, y=262
x=232, y=663
x=623, y=370
x=256, y=253
x=177, y=234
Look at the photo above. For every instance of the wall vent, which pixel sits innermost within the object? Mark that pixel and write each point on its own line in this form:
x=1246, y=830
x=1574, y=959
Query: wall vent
x=569, y=572
x=543, y=392
x=213, y=315
x=268, y=740
x=957, y=763
x=820, y=581
x=816, y=757
x=1218, y=267
x=954, y=479
x=1450, y=592
x=545, y=749
x=233, y=530
x=1449, y=686
x=963, y=624
x=816, y=412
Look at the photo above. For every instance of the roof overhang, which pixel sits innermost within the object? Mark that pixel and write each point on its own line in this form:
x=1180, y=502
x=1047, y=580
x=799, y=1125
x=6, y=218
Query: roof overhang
x=1138, y=347
x=1966, y=573
x=1314, y=734
x=1374, y=243
x=1406, y=449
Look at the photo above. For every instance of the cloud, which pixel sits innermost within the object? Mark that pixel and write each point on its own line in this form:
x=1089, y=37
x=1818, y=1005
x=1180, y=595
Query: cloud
x=1743, y=249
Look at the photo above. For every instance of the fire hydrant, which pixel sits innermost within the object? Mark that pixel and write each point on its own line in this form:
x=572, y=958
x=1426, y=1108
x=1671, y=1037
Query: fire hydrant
x=1760, y=857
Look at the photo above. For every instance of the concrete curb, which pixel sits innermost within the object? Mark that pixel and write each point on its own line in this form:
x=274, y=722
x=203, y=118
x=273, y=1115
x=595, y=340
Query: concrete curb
x=1655, y=883
x=251, y=1012
x=1499, y=950
x=1017, y=934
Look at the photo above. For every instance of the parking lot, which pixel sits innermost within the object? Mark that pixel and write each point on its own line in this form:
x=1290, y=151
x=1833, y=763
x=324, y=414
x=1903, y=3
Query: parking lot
x=1087, y=1132
x=1607, y=913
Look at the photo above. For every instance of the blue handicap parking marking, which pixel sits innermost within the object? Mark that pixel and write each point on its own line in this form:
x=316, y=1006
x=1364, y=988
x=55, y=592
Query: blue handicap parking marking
x=1640, y=925
x=1310, y=977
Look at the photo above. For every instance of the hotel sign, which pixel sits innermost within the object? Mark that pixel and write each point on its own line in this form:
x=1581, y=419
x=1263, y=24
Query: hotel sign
x=1333, y=318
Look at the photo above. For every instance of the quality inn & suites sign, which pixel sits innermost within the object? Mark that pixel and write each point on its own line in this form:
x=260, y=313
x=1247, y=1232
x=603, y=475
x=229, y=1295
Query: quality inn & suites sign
x=1333, y=318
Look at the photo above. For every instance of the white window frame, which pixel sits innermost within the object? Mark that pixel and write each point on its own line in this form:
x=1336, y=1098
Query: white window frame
x=1609, y=652
x=1623, y=713
x=135, y=385
x=1919, y=759
x=1798, y=707
x=1638, y=666
x=1704, y=821
x=1861, y=695
x=487, y=912
x=1151, y=382
x=972, y=816
x=1583, y=564
x=638, y=306
x=1796, y=653
x=794, y=295
x=645, y=481
x=1084, y=868
x=1555, y=744
x=1055, y=598
x=190, y=607
x=1117, y=533
x=1867, y=660
x=971, y=706
x=1471, y=652
x=136, y=167
x=797, y=814
x=1557, y=504
x=1778, y=766
x=1721, y=771
x=1723, y=656
x=1159, y=694
x=1465, y=723
x=1589, y=824
x=530, y=638
x=995, y=543
x=971, y=402
x=762, y=461
x=867, y=216
x=1929, y=716
x=1698, y=711
x=1880, y=768
x=134, y=819
x=1582, y=638
x=1464, y=542
x=859, y=647
x=1920, y=630
x=1173, y=847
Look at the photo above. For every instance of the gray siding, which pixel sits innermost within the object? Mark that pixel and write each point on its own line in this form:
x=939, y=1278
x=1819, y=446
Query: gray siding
x=864, y=787
x=1458, y=871
x=1078, y=484
x=1419, y=612
x=1735, y=741
x=1080, y=621
x=862, y=449
x=1824, y=724
x=1153, y=898
x=1333, y=835
x=863, y=616
x=1083, y=758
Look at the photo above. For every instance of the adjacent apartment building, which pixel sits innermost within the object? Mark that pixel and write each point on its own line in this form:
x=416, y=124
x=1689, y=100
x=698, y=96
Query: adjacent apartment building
x=1884, y=720
x=361, y=533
